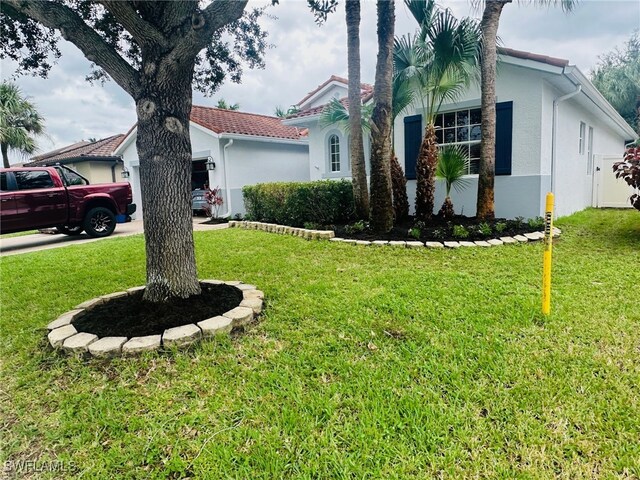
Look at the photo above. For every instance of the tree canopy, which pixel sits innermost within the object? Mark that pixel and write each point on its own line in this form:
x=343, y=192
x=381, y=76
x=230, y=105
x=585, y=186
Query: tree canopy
x=617, y=76
x=20, y=122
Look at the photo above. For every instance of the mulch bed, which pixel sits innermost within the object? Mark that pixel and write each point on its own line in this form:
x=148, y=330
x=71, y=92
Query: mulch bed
x=440, y=230
x=131, y=316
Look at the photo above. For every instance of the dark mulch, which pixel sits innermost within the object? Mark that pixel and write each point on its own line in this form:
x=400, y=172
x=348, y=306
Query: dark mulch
x=215, y=221
x=439, y=229
x=131, y=316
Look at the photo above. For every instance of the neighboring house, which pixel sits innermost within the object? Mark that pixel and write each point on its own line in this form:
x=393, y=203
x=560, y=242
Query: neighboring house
x=555, y=131
x=246, y=149
x=93, y=160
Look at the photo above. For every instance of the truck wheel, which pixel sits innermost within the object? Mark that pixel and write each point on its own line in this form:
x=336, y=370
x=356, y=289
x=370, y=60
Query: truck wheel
x=99, y=222
x=73, y=231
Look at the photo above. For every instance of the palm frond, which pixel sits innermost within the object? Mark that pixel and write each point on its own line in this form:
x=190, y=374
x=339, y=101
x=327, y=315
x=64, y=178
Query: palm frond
x=335, y=113
x=452, y=167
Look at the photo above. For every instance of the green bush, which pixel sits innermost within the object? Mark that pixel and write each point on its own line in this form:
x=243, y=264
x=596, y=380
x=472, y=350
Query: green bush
x=322, y=202
x=459, y=231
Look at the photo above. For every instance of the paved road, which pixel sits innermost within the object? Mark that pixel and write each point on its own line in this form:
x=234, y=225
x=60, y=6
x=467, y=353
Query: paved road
x=44, y=241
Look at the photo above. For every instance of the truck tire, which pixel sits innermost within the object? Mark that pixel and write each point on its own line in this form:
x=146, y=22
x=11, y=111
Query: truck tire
x=72, y=231
x=99, y=222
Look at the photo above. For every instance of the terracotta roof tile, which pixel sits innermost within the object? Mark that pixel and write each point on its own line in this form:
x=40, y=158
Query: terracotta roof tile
x=241, y=123
x=84, y=149
x=334, y=78
x=556, y=62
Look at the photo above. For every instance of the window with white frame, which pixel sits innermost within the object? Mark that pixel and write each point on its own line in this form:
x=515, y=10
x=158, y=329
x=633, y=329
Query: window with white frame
x=583, y=131
x=462, y=128
x=334, y=153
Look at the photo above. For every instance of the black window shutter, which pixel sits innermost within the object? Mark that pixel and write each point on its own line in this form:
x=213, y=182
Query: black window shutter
x=504, y=127
x=412, y=141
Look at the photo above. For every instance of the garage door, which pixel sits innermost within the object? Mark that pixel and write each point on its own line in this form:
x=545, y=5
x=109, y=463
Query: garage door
x=609, y=191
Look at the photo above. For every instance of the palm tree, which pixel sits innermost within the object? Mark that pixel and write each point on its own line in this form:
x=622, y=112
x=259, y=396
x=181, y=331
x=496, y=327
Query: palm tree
x=335, y=113
x=381, y=194
x=453, y=164
x=356, y=146
x=19, y=122
x=489, y=27
x=439, y=62
x=222, y=104
x=282, y=113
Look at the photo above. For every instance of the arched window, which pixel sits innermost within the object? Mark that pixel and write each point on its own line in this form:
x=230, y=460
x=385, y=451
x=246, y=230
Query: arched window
x=334, y=153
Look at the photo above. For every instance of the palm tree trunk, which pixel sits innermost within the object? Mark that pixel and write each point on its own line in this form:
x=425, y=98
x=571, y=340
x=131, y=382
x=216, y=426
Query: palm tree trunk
x=5, y=156
x=381, y=201
x=489, y=25
x=426, y=174
x=358, y=169
x=399, y=188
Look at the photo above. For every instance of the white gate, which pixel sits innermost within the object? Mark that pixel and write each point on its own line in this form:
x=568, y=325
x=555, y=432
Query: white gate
x=609, y=191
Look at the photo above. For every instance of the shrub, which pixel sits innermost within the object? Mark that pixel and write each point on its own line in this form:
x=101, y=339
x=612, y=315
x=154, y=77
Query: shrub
x=415, y=233
x=357, y=227
x=500, y=227
x=459, y=231
x=485, y=229
x=294, y=203
x=629, y=171
x=536, y=223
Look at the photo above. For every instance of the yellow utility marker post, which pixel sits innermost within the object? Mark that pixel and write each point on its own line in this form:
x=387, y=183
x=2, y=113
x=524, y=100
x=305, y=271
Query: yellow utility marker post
x=546, y=262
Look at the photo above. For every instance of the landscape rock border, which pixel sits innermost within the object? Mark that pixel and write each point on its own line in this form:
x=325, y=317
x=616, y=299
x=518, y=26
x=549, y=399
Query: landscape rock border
x=64, y=336
x=330, y=235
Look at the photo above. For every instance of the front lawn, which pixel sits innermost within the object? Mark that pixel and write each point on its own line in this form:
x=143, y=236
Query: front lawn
x=370, y=362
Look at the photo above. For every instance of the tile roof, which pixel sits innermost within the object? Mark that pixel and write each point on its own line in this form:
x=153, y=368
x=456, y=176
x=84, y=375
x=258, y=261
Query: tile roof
x=366, y=88
x=556, y=62
x=83, y=150
x=232, y=121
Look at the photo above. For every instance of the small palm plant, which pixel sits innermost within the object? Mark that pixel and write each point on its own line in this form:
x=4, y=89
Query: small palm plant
x=453, y=165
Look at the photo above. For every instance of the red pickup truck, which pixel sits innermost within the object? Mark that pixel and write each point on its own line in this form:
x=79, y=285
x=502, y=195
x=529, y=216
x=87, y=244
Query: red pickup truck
x=42, y=197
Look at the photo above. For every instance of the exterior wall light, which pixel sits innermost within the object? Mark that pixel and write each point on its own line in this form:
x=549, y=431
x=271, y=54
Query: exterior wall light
x=125, y=173
x=211, y=165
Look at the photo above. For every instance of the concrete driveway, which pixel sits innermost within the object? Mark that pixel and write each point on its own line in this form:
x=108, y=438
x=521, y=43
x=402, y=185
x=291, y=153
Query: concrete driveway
x=45, y=241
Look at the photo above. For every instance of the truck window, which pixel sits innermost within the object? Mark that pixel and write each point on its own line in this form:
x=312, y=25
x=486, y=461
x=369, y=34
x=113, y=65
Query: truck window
x=3, y=182
x=33, y=179
x=69, y=177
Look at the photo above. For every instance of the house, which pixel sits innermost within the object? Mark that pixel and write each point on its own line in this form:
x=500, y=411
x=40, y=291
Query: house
x=243, y=149
x=94, y=160
x=555, y=132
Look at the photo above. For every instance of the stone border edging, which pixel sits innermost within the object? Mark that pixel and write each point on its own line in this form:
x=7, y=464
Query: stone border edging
x=283, y=229
x=63, y=335
x=330, y=235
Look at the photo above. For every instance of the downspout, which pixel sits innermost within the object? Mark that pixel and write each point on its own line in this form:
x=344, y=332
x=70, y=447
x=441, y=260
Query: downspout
x=113, y=167
x=226, y=179
x=554, y=126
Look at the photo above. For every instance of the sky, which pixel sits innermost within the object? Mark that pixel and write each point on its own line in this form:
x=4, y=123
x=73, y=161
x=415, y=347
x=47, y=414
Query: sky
x=303, y=55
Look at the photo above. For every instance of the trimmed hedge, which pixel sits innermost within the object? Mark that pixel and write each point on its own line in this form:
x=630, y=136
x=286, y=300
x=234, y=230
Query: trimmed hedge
x=324, y=202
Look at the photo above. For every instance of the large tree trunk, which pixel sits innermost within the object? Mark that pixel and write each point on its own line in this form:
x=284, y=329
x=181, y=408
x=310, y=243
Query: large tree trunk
x=381, y=201
x=489, y=25
x=5, y=155
x=358, y=169
x=164, y=150
x=426, y=174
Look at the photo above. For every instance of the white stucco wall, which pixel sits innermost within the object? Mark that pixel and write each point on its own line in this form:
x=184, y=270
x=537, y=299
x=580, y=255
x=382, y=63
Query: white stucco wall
x=251, y=162
x=332, y=91
x=248, y=161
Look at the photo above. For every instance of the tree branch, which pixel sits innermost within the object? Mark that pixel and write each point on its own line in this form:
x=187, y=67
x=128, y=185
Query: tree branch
x=73, y=29
x=142, y=31
x=203, y=24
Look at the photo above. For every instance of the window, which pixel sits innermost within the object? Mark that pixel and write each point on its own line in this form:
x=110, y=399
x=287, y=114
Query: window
x=3, y=182
x=334, y=153
x=583, y=128
x=70, y=177
x=28, y=180
x=461, y=128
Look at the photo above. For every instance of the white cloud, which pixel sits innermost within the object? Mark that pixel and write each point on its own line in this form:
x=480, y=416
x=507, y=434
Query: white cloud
x=305, y=55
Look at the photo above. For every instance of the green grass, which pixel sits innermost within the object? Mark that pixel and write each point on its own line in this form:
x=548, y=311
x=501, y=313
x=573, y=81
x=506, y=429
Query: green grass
x=369, y=363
